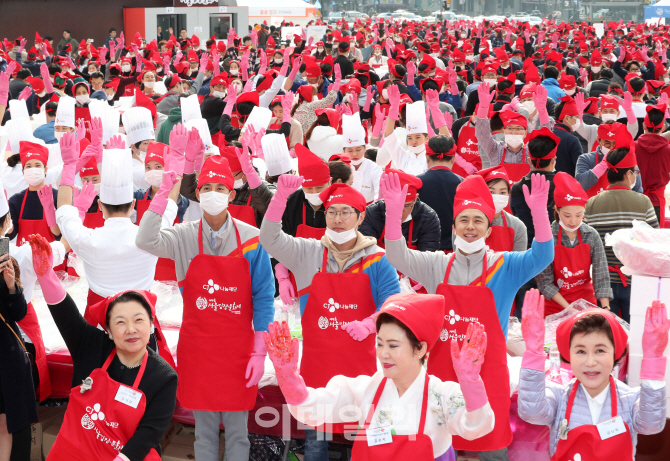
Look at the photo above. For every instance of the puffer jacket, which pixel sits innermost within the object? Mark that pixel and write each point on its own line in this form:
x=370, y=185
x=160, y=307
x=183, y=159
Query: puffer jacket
x=544, y=403
x=426, y=232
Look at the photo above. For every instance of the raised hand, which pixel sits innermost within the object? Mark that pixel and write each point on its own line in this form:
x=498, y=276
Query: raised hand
x=25, y=94
x=469, y=359
x=83, y=199
x=68, y=149
x=45, y=194
x=247, y=167
x=379, y=121
x=394, y=101
x=338, y=78
x=581, y=105
x=204, y=59
x=178, y=141
x=192, y=148
x=42, y=254
x=81, y=130
x=656, y=325
x=287, y=184
x=537, y=200
x=394, y=196
x=411, y=72
x=116, y=142
x=532, y=323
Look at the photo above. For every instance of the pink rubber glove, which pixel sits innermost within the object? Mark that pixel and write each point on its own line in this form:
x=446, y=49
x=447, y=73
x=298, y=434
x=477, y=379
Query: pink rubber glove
x=4, y=88
x=45, y=194
x=248, y=86
x=52, y=289
x=231, y=37
x=379, y=122
x=540, y=99
x=177, y=57
x=192, y=148
x=25, y=94
x=199, y=158
x=433, y=100
x=294, y=69
x=537, y=202
x=411, y=72
x=394, y=198
x=81, y=130
x=286, y=185
x=70, y=153
x=628, y=105
x=601, y=168
x=160, y=200
x=532, y=328
x=103, y=55
x=112, y=52
x=285, y=63
x=287, y=105
x=83, y=199
x=89, y=152
x=453, y=86
x=70, y=63
x=394, y=101
x=96, y=132
x=244, y=66
x=449, y=119
x=429, y=127
x=353, y=100
x=467, y=166
x=359, y=330
x=178, y=143
x=263, y=62
x=338, y=79
x=166, y=65
x=368, y=99
x=115, y=142
x=254, y=38
x=216, y=62
x=247, y=167
x=286, y=290
x=526, y=35
x=468, y=363
x=22, y=45
x=485, y=98
x=256, y=365
x=231, y=98
x=284, y=352
x=654, y=342
x=204, y=59
x=44, y=72
x=581, y=105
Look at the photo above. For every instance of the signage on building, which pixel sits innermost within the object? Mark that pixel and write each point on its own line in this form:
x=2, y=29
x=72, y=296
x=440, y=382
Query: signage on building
x=188, y=3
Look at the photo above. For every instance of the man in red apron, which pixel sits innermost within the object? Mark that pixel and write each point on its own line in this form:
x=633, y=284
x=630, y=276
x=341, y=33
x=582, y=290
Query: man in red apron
x=594, y=180
x=243, y=206
x=478, y=285
x=342, y=280
x=227, y=285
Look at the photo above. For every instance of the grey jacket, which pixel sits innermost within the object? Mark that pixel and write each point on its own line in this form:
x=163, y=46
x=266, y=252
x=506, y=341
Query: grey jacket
x=172, y=100
x=587, y=178
x=544, y=403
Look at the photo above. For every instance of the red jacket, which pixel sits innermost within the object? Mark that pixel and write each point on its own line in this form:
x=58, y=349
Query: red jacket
x=653, y=159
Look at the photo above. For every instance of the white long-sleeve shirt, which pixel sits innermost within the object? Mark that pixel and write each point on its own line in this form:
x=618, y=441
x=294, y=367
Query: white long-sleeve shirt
x=111, y=259
x=349, y=400
x=366, y=179
x=403, y=159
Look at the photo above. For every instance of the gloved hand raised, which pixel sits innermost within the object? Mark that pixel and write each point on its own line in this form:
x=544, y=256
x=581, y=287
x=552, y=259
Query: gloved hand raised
x=284, y=352
x=468, y=363
x=654, y=342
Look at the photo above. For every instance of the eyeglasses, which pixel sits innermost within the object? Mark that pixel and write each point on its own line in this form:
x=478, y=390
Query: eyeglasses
x=346, y=214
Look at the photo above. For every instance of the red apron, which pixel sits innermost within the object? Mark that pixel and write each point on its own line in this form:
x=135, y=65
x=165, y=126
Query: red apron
x=515, y=171
x=572, y=275
x=468, y=148
x=585, y=440
x=94, y=220
x=244, y=213
x=660, y=196
x=417, y=448
x=28, y=227
x=306, y=232
x=83, y=114
x=96, y=424
x=380, y=244
x=600, y=185
x=502, y=237
x=218, y=316
x=328, y=350
x=477, y=302
x=31, y=327
x=165, y=268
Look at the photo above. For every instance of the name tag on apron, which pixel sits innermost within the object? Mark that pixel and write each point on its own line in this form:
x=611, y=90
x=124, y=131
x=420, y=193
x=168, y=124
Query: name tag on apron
x=128, y=396
x=379, y=436
x=611, y=427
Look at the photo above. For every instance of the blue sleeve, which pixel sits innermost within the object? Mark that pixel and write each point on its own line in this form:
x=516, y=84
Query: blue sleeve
x=455, y=101
x=383, y=281
x=521, y=266
x=414, y=93
x=650, y=74
x=262, y=288
x=182, y=205
x=297, y=84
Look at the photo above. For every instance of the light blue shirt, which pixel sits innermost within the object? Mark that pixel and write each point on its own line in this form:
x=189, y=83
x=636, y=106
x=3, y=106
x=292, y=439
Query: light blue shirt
x=215, y=233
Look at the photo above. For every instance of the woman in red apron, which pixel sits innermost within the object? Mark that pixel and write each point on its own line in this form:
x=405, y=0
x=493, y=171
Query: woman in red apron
x=127, y=393
x=593, y=343
x=468, y=148
x=82, y=114
x=568, y=278
x=502, y=237
x=89, y=173
x=401, y=411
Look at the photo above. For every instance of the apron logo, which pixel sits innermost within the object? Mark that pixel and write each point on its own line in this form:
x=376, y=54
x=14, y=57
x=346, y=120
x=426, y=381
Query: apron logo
x=325, y=322
x=470, y=142
x=211, y=287
x=452, y=317
x=465, y=150
x=332, y=306
x=569, y=197
x=201, y=303
x=453, y=334
x=94, y=414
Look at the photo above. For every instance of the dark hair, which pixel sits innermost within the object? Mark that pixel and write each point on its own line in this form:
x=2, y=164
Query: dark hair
x=114, y=30
x=51, y=108
x=558, y=109
x=550, y=72
x=637, y=84
x=117, y=209
x=23, y=74
x=606, y=72
x=371, y=154
x=13, y=160
x=127, y=297
x=67, y=30
x=48, y=37
x=613, y=158
x=540, y=147
x=495, y=181
x=655, y=117
x=181, y=30
x=245, y=108
x=413, y=341
x=440, y=144
x=430, y=85
x=630, y=63
x=343, y=46
x=97, y=75
x=496, y=122
x=340, y=170
x=595, y=324
x=321, y=120
x=502, y=86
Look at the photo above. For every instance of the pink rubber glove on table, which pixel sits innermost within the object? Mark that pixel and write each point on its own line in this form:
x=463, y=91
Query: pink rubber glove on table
x=286, y=290
x=52, y=289
x=654, y=342
x=468, y=364
x=537, y=202
x=284, y=352
x=256, y=365
x=394, y=198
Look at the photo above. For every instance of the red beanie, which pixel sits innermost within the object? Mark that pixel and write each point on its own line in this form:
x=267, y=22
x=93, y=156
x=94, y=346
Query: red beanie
x=568, y=191
x=474, y=193
x=422, y=314
x=343, y=194
x=216, y=169
x=311, y=167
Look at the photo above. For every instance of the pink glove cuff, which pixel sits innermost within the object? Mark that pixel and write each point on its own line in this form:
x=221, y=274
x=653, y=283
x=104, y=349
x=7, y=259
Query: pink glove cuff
x=281, y=272
x=52, y=289
x=653, y=368
x=460, y=161
x=533, y=360
x=474, y=393
x=259, y=345
x=159, y=202
x=600, y=169
x=393, y=229
x=67, y=175
x=541, y=224
x=253, y=180
x=228, y=110
x=630, y=115
x=189, y=167
x=483, y=112
x=543, y=115
x=276, y=209
x=370, y=323
x=292, y=386
x=438, y=118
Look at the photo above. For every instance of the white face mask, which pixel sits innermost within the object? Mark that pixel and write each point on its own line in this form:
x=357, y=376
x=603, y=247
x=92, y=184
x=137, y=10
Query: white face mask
x=214, y=202
x=320, y=50
x=34, y=176
x=279, y=61
x=313, y=199
x=570, y=92
x=42, y=94
x=416, y=149
x=219, y=94
x=234, y=71
x=110, y=97
x=149, y=84
x=608, y=117
x=385, y=93
x=575, y=126
x=59, y=134
x=469, y=247
x=125, y=68
x=238, y=184
x=595, y=69
x=666, y=79
x=238, y=88
x=154, y=177
x=142, y=155
x=491, y=82
x=605, y=150
x=529, y=105
x=470, y=57
x=341, y=237
x=505, y=67
x=356, y=162
x=500, y=202
x=378, y=53
x=514, y=140
x=569, y=229
x=82, y=98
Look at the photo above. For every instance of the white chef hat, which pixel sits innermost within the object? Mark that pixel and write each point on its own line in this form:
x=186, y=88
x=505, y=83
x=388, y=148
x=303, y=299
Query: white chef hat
x=200, y=124
x=65, y=112
x=116, y=183
x=353, y=133
x=98, y=108
x=126, y=102
x=258, y=118
x=415, y=118
x=138, y=124
x=277, y=157
x=18, y=109
x=110, y=124
x=190, y=108
x=18, y=130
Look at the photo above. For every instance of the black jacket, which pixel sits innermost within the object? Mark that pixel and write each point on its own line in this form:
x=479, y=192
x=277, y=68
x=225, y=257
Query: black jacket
x=16, y=388
x=438, y=192
x=346, y=66
x=599, y=87
x=293, y=214
x=425, y=225
x=520, y=208
x=569, y=149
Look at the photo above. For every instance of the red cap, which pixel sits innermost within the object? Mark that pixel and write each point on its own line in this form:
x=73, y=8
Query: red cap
x=569, y=108
x=342, y=194
x=192, y=56
x=33, y=151
x=608, y=131
x=493, y=173
x=266, y=83
x=565, y=328
x=342, y=157
x=311, y=167
x=352, y=86
x=422, y=314
x=623, y=139
x=528, y=91
x=412, y=182
x=332, y=114
x=647, y=122
x=591, y=105
x=544, y=131
x=36, y=83
x=567, y=81
x=306, y=92
x=312, y=69
x=509, y=117
x=229, y=153
x=155, y=151
x=216, y=169
x=90, y=168
x=221, y=79
x=568, y=191
x=609, y=102
x=473, y=192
